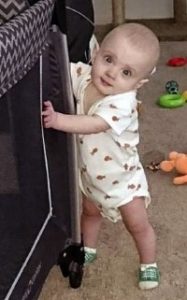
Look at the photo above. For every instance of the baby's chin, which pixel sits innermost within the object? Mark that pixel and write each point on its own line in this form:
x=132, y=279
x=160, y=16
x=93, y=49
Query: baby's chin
x=112, y=93
x=109, y=90
x=117, y=92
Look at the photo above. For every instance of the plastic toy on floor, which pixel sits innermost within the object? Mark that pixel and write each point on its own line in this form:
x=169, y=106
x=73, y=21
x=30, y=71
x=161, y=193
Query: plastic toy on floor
x=172, y=99
x=177, y=61
x=178, y=162
x=172, y=87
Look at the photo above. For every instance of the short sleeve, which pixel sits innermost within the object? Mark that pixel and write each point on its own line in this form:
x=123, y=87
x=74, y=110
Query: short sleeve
x=117, y=111
x=80, y=72
x=74, y=76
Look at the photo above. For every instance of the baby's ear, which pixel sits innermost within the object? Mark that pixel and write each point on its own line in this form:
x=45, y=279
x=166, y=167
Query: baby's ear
x=141, y=83
x=93, y=54
x=93, y=47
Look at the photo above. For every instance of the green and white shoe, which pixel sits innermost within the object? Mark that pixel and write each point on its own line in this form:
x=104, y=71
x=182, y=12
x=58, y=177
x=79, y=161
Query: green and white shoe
x=90, y=255
x=149, y=278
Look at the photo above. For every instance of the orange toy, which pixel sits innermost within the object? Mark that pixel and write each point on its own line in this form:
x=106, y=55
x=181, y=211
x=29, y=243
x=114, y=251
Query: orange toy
x=177, y=161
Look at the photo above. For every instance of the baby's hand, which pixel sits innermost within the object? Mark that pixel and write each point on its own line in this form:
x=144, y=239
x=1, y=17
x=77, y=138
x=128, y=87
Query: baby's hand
x=49, y=115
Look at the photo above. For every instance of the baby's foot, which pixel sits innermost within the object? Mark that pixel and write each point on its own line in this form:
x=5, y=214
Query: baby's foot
x=90, y=255
x=149, y=277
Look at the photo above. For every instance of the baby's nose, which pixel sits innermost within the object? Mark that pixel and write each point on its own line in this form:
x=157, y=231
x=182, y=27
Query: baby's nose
x=112, y=72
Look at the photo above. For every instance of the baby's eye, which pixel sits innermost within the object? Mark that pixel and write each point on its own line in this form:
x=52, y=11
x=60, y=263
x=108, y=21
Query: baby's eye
x=108, y=59
x=127, y=72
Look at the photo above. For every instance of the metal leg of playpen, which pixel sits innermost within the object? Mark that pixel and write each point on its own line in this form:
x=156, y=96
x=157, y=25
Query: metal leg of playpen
x=71, y=259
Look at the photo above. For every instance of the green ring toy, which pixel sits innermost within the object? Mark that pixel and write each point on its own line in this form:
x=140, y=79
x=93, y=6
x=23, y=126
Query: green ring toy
x=171, y=100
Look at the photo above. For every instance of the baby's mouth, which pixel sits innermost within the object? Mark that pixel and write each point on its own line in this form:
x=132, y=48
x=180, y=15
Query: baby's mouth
x=104, y=82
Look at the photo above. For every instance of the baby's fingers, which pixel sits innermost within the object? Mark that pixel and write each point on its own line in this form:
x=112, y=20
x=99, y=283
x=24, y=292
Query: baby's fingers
x=46, y=125
x=46, y=122
x=47, y=104
x=45, y=113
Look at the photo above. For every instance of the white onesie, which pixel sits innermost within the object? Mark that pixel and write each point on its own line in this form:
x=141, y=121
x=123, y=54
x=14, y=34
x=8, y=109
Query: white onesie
x=111, y=174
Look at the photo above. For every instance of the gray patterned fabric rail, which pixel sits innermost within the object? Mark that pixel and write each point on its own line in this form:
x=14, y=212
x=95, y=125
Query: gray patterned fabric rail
x=10, y=8
x=21, y=42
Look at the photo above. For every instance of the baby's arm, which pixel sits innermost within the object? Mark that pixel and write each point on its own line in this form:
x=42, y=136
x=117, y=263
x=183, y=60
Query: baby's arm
x=82, y=124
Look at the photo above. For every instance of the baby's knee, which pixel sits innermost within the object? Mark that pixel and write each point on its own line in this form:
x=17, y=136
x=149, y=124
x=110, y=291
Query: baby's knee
x=139, y=227
x=91, y=213
x=90, y=210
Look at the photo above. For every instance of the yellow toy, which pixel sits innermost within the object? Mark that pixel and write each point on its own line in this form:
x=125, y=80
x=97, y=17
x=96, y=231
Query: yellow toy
x=177, y=161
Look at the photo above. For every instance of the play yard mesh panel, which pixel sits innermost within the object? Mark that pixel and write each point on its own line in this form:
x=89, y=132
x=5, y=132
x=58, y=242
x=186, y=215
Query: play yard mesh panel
x=24, y=191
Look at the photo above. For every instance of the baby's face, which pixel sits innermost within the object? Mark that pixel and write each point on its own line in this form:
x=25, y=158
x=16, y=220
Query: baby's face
x=119, y=67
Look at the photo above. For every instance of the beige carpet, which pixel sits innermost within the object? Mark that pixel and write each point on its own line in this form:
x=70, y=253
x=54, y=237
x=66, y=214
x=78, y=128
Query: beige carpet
x=113, y=275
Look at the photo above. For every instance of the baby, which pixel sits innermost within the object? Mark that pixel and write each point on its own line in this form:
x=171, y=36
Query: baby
x=112, y=179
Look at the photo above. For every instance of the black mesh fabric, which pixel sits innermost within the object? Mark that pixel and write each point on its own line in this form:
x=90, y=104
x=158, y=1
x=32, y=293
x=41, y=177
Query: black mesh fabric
x=24, y=194
x=23, y=190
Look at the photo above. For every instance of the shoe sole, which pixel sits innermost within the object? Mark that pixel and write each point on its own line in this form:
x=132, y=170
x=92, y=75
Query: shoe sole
x=148, y=285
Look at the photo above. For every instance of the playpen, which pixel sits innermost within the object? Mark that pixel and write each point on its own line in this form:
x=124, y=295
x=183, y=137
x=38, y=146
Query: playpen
x=39, y=196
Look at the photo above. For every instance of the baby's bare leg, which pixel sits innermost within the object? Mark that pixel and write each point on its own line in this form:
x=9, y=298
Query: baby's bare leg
x=135, y=218
x=90, y=223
